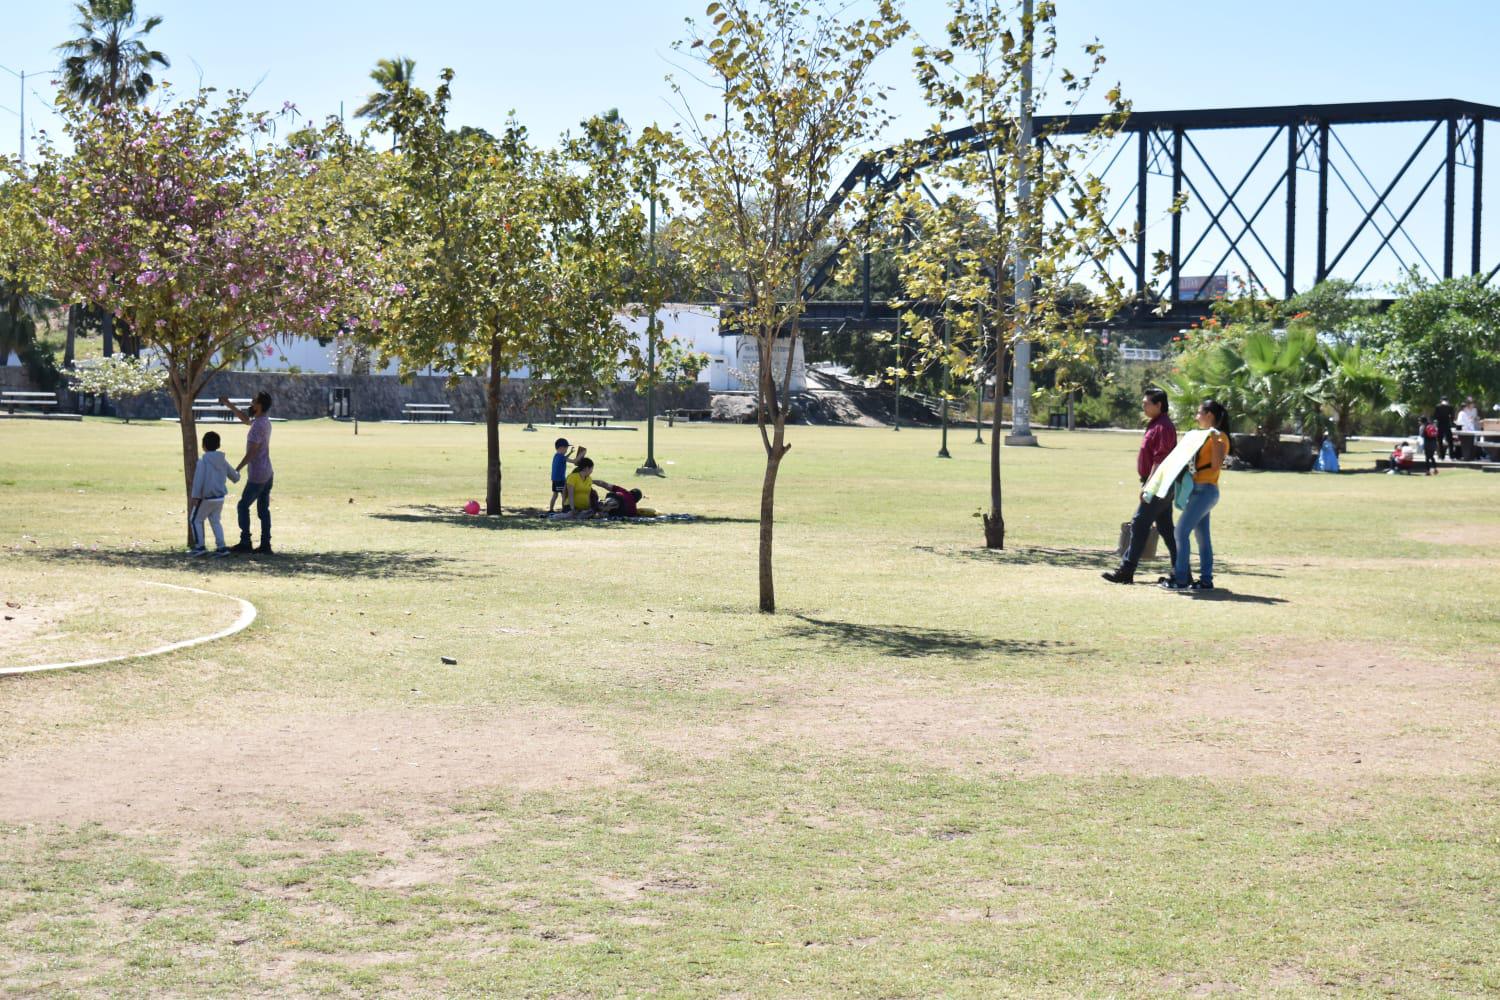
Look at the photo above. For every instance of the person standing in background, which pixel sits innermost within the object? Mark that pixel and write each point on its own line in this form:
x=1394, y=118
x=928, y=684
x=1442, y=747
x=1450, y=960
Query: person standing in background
x=1158, y=442
x=257, y=489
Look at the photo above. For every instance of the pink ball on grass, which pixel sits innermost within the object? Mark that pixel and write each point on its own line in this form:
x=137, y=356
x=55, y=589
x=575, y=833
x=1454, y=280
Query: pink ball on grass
x=472, y=507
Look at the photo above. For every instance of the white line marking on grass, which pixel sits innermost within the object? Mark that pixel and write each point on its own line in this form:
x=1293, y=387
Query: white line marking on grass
x=247, y=615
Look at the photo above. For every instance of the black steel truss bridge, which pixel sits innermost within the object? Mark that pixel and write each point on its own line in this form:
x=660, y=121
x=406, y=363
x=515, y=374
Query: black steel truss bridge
x=1281, y=197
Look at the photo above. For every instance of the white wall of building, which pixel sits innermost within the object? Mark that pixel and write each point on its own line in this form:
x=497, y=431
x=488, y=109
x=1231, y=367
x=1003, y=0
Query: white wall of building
x=696, y=327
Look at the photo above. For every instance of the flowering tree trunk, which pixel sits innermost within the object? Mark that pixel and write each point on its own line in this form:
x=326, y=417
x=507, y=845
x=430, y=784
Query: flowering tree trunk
x=184, y=389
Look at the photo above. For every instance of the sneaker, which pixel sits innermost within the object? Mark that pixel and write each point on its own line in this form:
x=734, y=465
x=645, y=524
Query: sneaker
x=1173, y=585
x=243, y=545
x=264, y=549
x=1118, y=576
x=197, y=551
x=220, y=553
x=1202, y=585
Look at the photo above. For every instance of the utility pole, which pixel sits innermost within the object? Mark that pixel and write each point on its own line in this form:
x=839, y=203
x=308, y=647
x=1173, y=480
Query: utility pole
x=651, y=468
x=1020, y=427
x=21, y=77
x=947, y=388
x=979, y=393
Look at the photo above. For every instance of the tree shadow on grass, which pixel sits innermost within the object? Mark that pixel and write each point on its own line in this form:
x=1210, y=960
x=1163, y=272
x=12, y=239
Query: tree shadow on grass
x=1100, y=559
x=912, y=641
x=530, y=519
x=351, y=563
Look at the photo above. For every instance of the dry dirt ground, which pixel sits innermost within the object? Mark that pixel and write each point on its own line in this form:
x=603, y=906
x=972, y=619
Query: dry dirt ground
x=271, y=767
x=1346, y=714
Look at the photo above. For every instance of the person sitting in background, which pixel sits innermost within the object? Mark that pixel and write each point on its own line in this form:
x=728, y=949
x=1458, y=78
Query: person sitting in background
x=618, y=501
x=582, y=502
x=1403, y=458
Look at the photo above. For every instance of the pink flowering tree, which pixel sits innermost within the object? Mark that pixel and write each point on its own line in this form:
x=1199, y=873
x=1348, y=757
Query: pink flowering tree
x=191, y=222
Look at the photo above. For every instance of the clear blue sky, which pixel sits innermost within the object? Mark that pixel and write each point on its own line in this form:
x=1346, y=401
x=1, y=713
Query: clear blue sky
x=555, y=63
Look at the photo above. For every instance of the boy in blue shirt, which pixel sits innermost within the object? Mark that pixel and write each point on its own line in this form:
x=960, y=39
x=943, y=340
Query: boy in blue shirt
x=560, y=461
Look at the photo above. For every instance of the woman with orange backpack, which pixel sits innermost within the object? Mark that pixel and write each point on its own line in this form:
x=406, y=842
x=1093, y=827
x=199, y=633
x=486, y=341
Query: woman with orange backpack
x=1202, y=498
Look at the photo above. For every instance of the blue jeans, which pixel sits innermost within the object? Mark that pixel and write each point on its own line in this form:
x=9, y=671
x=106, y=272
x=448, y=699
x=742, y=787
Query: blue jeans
x=258, y=494
x=1193, y=522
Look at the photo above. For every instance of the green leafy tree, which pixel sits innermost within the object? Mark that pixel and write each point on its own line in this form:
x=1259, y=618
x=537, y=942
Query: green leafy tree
x=1334, y=308
x=511, y=256
x=189, y=222
x=797, y=95
x=1000, y=266
x=110, y=62
x=391, y=77
x=1439, y=339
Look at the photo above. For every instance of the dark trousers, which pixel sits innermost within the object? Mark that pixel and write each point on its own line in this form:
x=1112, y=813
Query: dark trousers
x=1159, y=513
x=1445, y=443
x=258, y=494
x=1429, y=447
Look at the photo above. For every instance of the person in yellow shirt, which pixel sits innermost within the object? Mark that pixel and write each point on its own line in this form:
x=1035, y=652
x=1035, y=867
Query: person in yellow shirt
x=1193, y=522
x=582, y=502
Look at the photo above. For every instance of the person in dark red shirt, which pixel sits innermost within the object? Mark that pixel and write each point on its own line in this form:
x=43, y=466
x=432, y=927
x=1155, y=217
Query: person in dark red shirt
x=618, y=501
x=1159, y=440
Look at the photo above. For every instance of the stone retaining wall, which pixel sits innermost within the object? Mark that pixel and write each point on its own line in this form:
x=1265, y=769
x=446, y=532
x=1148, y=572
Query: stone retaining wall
x=381, y=397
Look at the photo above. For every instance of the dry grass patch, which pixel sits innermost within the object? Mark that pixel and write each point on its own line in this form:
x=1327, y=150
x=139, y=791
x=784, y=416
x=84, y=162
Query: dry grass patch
x=1346, y=714
x=268, y=769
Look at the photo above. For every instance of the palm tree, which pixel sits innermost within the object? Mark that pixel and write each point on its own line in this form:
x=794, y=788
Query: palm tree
x=1352, y=378
x=20, y=311
x=110, y=62
x=392, y=76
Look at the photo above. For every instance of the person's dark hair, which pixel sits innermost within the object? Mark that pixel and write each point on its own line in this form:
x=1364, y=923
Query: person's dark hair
x=560, y=443
x=1221, y=415
x=586, y=463
x=635, y=494
x=1158, y=397
x=264, y=399
x=211, y=441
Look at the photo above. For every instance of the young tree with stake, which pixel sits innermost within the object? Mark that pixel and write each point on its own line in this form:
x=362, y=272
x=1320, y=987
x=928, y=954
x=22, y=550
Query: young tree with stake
x=1006, y=281
x=798, y=98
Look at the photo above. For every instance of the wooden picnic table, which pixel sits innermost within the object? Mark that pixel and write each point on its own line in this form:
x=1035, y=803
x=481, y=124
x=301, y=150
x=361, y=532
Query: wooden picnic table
x=10, y=399
x=212, y=409
x=437, y=412
x=573, y=416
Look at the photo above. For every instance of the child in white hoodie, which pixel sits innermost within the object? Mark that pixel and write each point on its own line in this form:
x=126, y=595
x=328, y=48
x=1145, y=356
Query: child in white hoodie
x=207, y=497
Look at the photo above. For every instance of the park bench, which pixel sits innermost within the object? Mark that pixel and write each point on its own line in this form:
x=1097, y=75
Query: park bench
x=574, y=416
x=42, y=401
x=417, y=413
x=683, y=413
x=212, y=409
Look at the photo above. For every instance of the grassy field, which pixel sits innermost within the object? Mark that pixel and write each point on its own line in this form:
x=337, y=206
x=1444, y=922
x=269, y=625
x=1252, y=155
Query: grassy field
x=939, y=771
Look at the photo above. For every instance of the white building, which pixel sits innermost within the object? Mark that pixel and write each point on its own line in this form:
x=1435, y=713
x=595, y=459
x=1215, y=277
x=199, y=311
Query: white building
x=695, y=327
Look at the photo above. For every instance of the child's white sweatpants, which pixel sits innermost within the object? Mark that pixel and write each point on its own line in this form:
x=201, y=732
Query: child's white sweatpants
x=208, y=510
